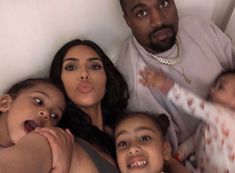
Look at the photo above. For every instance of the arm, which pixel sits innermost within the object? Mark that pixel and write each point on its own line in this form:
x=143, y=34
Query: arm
x=185, y=149
x=185, y=99
x=30, y=155
x=61, y=143
x=176, y=166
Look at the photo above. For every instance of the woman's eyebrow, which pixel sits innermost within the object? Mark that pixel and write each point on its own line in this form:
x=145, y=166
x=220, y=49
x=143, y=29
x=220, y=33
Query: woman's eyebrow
x=94, y=59
x=76, y=59
x=70, y=59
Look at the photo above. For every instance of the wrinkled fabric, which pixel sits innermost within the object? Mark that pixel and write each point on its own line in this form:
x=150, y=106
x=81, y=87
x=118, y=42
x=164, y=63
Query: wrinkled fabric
x=205, y=51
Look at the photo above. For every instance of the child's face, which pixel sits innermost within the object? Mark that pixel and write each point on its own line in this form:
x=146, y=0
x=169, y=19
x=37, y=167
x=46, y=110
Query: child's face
x=139, y=146
x=38, y=106
x=224, y=91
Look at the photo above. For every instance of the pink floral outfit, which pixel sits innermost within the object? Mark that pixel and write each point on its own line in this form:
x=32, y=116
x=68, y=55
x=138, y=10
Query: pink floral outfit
x=214, y=141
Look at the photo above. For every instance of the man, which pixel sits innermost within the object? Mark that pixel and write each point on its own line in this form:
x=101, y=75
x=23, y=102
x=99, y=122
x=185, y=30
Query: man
x=191, y=51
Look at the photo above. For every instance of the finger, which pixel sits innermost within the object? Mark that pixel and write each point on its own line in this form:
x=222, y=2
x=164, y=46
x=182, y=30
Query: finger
x=53, y=130
x=143, y=82
x=68, y=132
x=144, y=75
x=55, y=133
x=52, y=140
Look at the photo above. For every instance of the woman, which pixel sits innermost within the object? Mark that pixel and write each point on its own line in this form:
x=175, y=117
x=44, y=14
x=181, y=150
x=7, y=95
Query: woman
x=96, y=94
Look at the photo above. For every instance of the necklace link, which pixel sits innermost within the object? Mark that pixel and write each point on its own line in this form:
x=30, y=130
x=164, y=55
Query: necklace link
x=167, y=61
x=172, y=61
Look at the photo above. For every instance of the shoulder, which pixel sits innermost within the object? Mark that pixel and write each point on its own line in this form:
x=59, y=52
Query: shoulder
x=193, y=23
x=125, y=56
x=201, y=29
x=125, y=49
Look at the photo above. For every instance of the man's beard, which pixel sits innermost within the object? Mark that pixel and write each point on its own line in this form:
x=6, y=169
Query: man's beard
x=165, y=44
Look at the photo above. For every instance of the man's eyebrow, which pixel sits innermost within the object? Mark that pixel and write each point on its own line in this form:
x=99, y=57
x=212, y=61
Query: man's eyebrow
x=137, y=5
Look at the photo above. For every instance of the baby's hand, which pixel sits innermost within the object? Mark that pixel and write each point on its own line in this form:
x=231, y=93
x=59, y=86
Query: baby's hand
x=155, y=79
x=61, y=143
x=185, y=149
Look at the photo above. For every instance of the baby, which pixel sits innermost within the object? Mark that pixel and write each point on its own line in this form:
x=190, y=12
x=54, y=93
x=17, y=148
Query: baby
x=214, y=140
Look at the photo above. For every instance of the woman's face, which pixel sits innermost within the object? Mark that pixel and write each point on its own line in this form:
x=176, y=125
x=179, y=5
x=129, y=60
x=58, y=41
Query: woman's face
x=83, y=76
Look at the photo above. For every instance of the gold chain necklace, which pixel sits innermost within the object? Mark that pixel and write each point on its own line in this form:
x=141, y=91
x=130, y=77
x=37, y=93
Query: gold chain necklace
x=172, y=61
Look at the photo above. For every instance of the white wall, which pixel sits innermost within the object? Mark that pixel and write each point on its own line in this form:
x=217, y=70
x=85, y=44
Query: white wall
x=33, y=30
x=230, y=30
x=222, y=12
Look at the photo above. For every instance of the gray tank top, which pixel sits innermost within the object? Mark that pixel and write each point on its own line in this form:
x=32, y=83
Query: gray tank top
x=102, y=165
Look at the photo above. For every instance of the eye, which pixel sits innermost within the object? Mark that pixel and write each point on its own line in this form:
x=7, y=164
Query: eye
x=38, y=101
x=164, y=4
x=144, y=138
x=95, y=66
x=121, y=144
x=70, y=67
x=141, y=13
x=55, y=117
x=219, y=86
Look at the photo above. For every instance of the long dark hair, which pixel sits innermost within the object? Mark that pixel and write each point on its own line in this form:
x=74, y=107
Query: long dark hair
x=113, y=103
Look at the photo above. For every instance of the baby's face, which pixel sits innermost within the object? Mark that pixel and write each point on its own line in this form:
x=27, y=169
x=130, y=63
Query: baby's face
x=139, y=146
x=224, y=91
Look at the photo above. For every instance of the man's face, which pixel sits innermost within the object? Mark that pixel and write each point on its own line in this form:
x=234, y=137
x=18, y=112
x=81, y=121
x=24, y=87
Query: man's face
x=154, y=23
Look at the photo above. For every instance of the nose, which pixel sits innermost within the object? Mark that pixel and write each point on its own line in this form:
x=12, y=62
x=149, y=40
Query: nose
x=44, y=114
x=84, y=74
x=134, y=149
x=157, y=18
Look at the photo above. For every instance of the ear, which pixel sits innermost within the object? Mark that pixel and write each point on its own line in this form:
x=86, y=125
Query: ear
x=5, y=102
x=167, y=150
x=211, y=93
x=127, y=20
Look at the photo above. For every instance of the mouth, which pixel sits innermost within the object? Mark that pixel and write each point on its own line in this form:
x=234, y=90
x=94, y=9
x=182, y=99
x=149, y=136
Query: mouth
x=30, y=125
x=137, y=164
x=162, y=34
x=84, y=87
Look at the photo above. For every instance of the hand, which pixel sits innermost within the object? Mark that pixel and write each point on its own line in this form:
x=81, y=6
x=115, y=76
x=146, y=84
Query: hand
x=152, y=78
x=61, y=143
x=155, y=79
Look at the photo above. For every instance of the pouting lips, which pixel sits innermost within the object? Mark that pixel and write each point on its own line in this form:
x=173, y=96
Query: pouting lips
x=30, y=125
x=137, y=164
x=84, y=87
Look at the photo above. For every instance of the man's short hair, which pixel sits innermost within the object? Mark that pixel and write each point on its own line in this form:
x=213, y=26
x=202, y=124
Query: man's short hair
x=123, y=5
